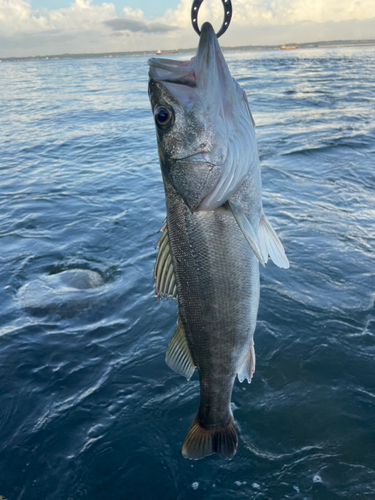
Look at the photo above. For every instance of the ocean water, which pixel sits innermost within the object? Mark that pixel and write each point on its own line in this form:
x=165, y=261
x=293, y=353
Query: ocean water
x=88, y=407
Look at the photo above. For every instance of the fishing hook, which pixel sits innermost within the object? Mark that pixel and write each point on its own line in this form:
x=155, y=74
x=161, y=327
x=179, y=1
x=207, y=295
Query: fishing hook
x=227, y=4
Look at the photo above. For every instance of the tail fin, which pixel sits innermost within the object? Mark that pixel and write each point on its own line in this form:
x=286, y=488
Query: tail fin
x=201, y=442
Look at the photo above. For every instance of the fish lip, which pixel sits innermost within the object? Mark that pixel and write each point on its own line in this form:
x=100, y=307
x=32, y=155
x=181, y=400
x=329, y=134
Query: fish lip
x=207, y=36
x=208, y=47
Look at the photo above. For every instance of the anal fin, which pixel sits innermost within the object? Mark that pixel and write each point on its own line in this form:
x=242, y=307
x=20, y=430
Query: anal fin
x=178, y=355
x=248, y=366
x=270, y=245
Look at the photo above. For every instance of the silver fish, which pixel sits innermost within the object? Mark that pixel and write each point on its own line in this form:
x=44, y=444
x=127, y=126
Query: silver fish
x=214, y=235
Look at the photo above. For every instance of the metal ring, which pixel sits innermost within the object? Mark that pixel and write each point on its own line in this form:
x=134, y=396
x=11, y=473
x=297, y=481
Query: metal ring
x=227, y=16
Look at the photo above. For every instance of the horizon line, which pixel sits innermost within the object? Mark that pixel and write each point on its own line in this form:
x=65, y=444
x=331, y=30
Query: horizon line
x=317, y=44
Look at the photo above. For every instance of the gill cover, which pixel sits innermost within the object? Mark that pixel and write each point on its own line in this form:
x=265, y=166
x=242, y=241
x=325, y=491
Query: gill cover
x=210, y=148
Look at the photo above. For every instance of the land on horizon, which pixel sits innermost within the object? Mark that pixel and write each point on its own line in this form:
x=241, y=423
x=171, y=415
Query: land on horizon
x=320, y=44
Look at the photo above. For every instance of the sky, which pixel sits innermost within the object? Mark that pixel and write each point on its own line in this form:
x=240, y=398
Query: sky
x=48, y=27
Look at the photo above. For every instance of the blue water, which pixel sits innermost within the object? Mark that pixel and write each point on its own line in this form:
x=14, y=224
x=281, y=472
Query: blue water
x=88, y=407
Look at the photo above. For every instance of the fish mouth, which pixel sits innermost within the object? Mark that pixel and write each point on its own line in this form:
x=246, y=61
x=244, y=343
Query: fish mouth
x=209, y=61
x=207, y=42
x=205, y=88
x=187, y=72
x=172, y=71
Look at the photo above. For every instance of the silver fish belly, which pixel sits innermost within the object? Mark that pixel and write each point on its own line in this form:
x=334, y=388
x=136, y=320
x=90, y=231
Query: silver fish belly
x=215, y=233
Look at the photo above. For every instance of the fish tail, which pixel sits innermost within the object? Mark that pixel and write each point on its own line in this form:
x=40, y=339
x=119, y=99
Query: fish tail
x=200, y=442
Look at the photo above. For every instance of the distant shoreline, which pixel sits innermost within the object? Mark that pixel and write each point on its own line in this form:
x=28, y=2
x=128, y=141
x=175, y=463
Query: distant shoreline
x=247, y=48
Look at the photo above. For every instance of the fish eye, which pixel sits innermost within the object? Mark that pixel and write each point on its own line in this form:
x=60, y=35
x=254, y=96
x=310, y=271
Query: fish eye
x=163, y=116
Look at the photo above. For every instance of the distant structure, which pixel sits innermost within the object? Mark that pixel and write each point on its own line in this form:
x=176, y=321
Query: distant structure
x=165, y=52
x=287, y=47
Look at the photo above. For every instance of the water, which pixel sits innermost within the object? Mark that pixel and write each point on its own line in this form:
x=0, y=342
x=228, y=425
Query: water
x=88, y=407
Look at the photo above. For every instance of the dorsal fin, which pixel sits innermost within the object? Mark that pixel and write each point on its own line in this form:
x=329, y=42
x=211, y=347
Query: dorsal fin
x=178, y=356
x=163, y=270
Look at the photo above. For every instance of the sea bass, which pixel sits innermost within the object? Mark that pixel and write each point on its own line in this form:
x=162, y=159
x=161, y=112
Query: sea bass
x=215, y=233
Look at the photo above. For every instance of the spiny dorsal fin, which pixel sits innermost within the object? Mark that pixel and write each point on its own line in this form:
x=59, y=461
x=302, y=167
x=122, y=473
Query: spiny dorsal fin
x=270, y=244
x=246, y=228
x=248, y=366
x=178, y=356
x=163, y=270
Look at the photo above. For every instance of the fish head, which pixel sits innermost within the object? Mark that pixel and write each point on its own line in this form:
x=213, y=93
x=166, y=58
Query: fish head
x=184, y=143
x=203, y=124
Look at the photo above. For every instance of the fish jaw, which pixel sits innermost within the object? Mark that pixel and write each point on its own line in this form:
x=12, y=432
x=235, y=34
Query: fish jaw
x=213, y=78
x=227, y=103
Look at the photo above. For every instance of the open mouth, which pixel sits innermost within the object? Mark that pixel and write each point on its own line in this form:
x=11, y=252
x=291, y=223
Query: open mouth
x=187, y=72
x=171, y=71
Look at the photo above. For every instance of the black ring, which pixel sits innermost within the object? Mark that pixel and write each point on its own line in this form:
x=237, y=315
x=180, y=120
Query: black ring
x=227, y=16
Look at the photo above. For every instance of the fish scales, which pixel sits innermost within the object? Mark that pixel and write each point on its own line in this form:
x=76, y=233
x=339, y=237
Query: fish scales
x=217, y=278
x=216, y=232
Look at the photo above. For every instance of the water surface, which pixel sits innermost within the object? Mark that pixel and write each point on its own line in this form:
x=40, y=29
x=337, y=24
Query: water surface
x=88, y=407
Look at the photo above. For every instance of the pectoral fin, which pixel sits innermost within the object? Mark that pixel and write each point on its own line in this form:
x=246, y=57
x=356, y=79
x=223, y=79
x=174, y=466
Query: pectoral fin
x=248, y=366
x=246, y=228
x=163, y=270
x=178, y=356
x=270, y=245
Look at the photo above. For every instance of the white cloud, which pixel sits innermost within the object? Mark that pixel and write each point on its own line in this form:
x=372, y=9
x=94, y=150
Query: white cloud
x=17, y=16
x=275, y=12
x=84, y=27
x=133, y=13
x=262, y=22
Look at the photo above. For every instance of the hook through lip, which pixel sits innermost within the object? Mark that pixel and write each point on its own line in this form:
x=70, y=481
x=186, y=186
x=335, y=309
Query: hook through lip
x=227, y=4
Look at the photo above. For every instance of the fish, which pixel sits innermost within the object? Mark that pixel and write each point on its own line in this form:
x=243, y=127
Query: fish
x=215, y=233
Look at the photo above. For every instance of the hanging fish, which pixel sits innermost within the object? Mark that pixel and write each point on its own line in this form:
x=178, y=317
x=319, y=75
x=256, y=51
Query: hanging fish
x=215, y=233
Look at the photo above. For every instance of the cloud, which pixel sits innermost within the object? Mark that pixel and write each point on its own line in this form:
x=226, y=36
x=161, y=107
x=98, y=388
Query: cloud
x=17, y=16
x=133, y=13
x=136, y=25
x=275, y=12
x=98, y=28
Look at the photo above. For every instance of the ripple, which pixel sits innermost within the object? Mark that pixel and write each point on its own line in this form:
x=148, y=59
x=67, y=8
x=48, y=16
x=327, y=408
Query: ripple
x=88, y=406
x=67, y=293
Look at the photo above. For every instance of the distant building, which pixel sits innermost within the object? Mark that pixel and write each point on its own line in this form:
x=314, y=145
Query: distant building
x=165, y=52
x=287, y=47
